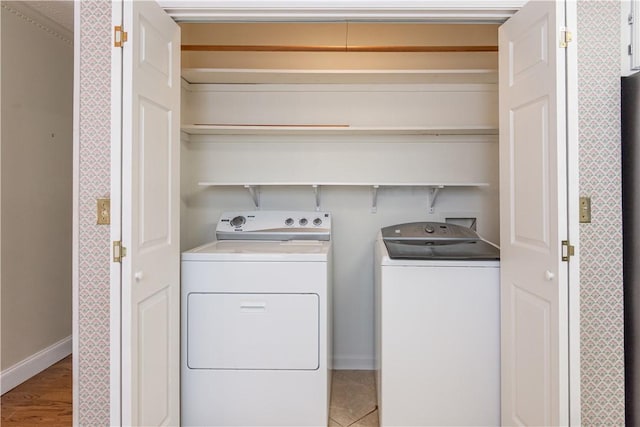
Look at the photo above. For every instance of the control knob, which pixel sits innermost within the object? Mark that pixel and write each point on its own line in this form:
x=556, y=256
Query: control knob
x=429, y=229
x=238, y=221
x=317, y=222
x=303, y=221
x=288, y=222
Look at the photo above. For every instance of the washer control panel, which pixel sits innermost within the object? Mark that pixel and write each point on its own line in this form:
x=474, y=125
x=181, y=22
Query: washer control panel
x=274, y=225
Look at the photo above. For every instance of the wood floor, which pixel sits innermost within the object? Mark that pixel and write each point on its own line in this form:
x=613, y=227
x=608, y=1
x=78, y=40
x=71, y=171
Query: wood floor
x=44, y=400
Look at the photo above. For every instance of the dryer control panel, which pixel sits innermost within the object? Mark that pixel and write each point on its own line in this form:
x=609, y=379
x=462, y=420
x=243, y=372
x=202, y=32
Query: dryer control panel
x=274, y=225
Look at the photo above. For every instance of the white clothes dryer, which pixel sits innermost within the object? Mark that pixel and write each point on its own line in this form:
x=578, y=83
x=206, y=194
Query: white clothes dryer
x=437, y=323
x=256, y=322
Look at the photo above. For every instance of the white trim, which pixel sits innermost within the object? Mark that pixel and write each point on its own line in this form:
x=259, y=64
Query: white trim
x=356, y=363
x=34, y=364
x=339, y=10
x=625, y=38
x=75, y=269
x=221, y=76
x=634, y=36
x=115, y=338
x=339, y=87
x=344, y=4
x=0, y=184
x=573, y=226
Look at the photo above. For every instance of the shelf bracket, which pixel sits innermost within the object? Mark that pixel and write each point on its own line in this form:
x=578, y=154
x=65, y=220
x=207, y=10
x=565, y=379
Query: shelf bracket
x=254, y=190
x=432, y=196
x=374, y=198
x=316, y=192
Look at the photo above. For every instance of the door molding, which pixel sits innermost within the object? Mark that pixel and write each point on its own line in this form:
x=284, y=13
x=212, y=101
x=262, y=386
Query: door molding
x=493, y=11
x=573, y=226
x=115, y=268
x=75, y=223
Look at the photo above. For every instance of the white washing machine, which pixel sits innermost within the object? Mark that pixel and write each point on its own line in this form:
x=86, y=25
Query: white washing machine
x=437, y=315
x=256, y=322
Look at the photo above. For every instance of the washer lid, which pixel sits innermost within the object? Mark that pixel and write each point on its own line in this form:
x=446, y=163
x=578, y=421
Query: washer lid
x=434, y=233
x=474, y=250
x=248, y=250
x=436, y=241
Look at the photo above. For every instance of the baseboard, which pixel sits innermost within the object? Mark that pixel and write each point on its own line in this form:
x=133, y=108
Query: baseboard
x=34, y=364
x=353, y=363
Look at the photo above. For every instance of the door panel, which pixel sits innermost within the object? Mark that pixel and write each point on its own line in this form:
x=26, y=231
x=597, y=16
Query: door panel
x=155, y=187
x=529, y=177
x=531, y=343
x=155, y=53
x=529, y=51
x=533, y=212
x=150, y=217
x=153, y=359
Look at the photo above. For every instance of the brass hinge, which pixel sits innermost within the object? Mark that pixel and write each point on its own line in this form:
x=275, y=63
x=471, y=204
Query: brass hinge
x=119, y=251
x=567, y=250
x=119, y=36
x=566, y=37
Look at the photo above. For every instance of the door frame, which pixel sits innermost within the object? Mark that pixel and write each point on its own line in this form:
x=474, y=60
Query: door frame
x=460, y=11
x=466, y=11
x=573, y=212
x=75, y=222
x=115, y=270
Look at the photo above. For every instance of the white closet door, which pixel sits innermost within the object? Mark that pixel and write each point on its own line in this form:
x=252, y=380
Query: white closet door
x=533, y=211
x=150, y=217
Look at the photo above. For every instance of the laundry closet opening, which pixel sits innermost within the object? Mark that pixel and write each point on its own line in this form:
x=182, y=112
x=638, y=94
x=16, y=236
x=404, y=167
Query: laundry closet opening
x=377, y=123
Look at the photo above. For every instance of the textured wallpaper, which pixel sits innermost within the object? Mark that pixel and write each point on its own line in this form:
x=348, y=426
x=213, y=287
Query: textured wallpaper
x=93, y=263
x=601, y=250
x=602, y=340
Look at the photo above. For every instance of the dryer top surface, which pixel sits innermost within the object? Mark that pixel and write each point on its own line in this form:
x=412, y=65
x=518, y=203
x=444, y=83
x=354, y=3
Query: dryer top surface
x=252, y=250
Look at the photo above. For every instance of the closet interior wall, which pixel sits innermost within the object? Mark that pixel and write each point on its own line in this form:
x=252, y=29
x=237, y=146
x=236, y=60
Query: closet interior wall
x=347, y=121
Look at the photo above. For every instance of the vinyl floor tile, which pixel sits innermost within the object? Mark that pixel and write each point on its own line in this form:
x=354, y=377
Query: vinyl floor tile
x=353, y=399
x=370, y=420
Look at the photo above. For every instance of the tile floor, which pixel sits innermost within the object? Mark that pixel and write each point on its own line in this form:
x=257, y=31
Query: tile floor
x=353, y=399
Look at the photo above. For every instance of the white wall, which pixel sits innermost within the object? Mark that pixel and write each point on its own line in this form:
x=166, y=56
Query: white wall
x=37, y=74
x=626, y=37
x=342, y=158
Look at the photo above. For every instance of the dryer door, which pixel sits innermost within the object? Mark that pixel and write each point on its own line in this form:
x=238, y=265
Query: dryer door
x=253, y=331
